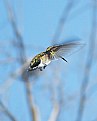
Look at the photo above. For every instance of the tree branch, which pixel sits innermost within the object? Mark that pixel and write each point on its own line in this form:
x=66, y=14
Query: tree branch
x=22, y=61
x=88, y=66
x=7, y=112
x=55, y=112
x=63, y=20
x=32, y=106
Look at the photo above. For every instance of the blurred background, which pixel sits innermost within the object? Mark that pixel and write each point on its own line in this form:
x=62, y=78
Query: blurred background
x=63, y=91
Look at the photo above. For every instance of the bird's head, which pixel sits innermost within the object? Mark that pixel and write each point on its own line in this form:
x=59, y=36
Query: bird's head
x=34, y=64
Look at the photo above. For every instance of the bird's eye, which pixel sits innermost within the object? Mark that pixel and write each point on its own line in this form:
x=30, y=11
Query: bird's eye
x=30, y=64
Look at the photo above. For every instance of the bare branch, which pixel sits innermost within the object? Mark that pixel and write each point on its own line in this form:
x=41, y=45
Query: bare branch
x=63, y=20
x=7, y=112
x=55, y=112
x=18, y=35
x=88, y=66
x=8, y=83
x=19, y=72
x=57, y=105
x=22, y=60
x=35, y=115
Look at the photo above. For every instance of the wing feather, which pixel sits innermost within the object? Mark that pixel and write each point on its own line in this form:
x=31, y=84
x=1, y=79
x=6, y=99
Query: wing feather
x=65, y=49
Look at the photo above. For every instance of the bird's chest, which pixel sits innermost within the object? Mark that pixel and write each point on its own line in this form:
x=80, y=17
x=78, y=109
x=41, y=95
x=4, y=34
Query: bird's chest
x=44, y=60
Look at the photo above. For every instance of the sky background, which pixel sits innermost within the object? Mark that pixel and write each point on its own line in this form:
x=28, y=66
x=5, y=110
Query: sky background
x=37, y=21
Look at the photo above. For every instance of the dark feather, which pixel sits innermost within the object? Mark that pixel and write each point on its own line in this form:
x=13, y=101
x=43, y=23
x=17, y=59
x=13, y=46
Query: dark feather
x=65, y=49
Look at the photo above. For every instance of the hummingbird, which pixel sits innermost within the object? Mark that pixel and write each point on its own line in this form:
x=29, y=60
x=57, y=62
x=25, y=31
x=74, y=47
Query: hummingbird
x=40, y=61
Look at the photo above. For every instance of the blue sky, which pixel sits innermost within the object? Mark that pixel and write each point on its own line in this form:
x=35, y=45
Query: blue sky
x=37, y=20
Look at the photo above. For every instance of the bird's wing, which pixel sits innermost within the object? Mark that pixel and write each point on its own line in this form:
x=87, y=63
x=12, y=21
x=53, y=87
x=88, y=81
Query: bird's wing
x=65, y=49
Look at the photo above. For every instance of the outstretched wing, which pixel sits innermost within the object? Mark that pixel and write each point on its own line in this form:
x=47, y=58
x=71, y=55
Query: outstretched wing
x=65, y=49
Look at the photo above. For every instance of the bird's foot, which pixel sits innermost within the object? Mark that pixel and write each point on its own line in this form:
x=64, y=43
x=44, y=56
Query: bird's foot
x=44, y=67
x=40, y=69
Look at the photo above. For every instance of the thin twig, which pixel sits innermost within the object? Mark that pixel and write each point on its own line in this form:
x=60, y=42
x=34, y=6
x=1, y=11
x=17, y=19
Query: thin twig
x=55, y=112
x=32, y=106
x=22, y=60
x=63, y=20
x=57, y=105
x=7, y=112
x=88, y=66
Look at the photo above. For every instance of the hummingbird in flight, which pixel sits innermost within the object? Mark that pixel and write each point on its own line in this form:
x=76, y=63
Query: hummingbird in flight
x=55, y=52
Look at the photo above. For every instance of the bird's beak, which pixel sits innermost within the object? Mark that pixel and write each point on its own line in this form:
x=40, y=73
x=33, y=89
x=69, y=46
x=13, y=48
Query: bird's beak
x=29, y=69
